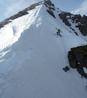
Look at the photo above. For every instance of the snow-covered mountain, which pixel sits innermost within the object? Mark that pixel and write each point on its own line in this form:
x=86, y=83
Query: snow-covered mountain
x=82, y=9
x=32, y=55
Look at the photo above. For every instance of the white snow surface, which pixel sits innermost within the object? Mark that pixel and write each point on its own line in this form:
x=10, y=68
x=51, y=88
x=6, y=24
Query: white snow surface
x=32, y=58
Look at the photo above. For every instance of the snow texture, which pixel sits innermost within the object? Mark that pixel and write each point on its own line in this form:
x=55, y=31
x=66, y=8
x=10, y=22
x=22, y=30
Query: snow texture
x=32, y=58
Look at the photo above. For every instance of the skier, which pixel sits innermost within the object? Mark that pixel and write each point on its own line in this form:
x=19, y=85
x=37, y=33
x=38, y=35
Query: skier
x=58, y=32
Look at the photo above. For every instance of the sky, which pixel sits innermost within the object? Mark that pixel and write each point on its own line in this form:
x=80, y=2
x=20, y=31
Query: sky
x=10, y=7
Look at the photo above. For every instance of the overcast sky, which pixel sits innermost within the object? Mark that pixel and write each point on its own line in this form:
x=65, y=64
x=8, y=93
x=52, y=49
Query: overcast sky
x=9, y=7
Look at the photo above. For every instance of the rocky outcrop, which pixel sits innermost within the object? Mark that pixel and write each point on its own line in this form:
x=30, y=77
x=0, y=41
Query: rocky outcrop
x=81, y=23
x=50, y=7
x=78, y=59
x=78, y=20
x=65, y=16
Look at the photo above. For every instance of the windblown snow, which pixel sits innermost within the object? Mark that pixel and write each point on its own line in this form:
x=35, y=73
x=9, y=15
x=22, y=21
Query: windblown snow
x=32, y=58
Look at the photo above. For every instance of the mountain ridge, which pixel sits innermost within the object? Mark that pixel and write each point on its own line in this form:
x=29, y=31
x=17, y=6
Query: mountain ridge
x=33, y=55
x=79, y=20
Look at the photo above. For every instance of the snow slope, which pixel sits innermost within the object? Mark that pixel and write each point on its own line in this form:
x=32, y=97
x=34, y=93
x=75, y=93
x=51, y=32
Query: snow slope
x=32, y=57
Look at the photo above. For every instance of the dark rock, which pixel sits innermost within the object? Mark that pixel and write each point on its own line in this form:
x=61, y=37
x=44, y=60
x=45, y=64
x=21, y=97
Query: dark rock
x=82, y=23
x=19, y=14
x=81, y=71
x=65, y=16
x=49, y=4
x=4, y=23
x=78, y=59
x=51, y=13
x=72, y=60
x=66, y=68
x=76, y=18
x=74, y=31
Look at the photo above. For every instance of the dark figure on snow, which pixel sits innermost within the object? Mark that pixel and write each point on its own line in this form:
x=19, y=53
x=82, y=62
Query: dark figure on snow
x=58, y=32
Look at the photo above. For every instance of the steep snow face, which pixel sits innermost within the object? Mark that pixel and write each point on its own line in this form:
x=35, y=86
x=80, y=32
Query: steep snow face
x=11, y=32
x=32, y=58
